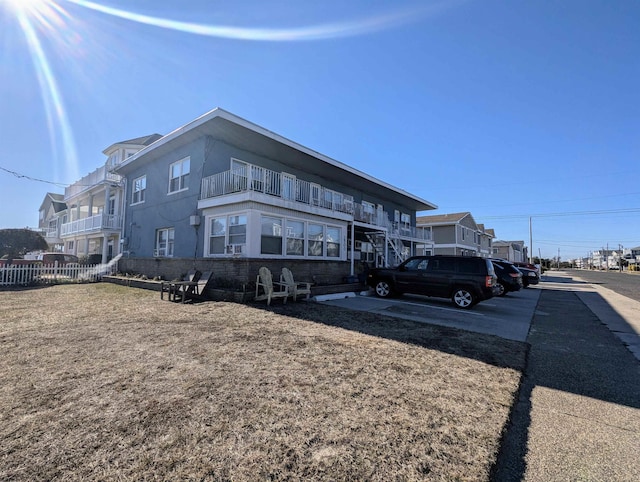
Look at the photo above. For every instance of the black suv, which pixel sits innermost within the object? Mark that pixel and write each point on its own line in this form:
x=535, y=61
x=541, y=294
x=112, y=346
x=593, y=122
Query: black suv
x=509, y=277
x=465, y=280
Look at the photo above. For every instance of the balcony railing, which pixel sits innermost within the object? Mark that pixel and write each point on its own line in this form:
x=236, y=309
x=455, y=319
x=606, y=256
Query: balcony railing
x=284, y=186
x=98, y=176
x=50, y=232
x=94, y=223
x=259, y=179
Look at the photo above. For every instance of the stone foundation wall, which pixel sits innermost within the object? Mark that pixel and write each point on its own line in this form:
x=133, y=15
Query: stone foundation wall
x=239, y=271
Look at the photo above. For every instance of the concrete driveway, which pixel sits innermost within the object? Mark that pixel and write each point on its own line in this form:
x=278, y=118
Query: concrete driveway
x=508, y=317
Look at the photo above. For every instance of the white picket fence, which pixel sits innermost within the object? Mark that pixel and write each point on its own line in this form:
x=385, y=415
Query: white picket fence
x=37, y=273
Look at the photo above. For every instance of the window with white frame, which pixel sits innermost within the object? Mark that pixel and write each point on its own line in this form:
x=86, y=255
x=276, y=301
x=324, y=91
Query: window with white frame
x=217, y=235
x=179, y=175
x=228, y=234
x=405, y=220
x=138, y=189
x=271, y=235
x=164, y=242
x=316, y=237
x=369, y=210
x=333, y=241
x=295, y=238
x=237, y=232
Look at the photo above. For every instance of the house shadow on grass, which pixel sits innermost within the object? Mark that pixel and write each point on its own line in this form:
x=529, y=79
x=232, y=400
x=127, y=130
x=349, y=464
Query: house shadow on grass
x=485, y=348
x=568, y=350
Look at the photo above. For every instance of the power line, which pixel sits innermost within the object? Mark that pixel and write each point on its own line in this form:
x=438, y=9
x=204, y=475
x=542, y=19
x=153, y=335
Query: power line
x=566, y=213
x=24, y=176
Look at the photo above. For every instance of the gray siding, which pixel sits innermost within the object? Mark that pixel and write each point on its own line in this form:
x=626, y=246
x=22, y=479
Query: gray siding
x=444, y=234
x=163, y=210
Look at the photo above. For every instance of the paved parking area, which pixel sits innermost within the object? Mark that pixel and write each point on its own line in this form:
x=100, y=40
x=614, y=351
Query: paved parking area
x=508, y=317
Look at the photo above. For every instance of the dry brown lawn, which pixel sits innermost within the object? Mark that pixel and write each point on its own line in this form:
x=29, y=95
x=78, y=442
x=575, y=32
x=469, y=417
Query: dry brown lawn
x=103, y=382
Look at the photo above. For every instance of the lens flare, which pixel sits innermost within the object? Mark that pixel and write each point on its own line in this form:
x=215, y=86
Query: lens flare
x=56, y=114
x=313, y=32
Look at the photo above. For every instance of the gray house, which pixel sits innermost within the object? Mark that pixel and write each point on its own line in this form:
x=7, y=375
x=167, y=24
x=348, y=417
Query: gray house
x=457, y=234
x=223, y=194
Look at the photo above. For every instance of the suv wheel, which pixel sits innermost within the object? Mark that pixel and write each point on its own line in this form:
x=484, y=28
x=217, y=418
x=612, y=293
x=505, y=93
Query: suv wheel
x=463, y=298
x=502, y=291
x=383, y=289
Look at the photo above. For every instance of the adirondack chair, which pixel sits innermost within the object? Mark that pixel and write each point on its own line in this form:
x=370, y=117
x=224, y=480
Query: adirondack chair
x=266, y=287
x=173, y=288
x=194, y=290
x=178, y=289
x=295, y=288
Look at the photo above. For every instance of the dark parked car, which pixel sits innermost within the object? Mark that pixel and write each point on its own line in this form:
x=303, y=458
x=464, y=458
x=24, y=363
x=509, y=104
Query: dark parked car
x=509, y=277
x=529, y=276
x=463, y=279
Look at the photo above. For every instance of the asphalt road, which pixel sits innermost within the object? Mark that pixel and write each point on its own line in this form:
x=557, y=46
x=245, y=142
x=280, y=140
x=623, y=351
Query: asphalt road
x=626, y=284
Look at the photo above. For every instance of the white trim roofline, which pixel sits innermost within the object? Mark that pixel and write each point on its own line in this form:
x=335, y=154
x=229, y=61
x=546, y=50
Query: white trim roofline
x=223, y=114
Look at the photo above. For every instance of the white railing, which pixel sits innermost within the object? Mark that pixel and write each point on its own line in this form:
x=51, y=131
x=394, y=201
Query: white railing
x=98, y=176
x=51, y=233
x=93, y=223
x=259, y=179
x=38, y=273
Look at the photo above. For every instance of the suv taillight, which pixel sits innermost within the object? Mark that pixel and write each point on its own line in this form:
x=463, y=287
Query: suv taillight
x=488, y=281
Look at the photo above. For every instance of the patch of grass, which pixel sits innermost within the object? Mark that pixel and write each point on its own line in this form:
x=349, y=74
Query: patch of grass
x=106, y=382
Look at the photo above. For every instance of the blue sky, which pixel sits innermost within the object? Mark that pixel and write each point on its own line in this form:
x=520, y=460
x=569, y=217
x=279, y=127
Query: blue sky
x=506, y=109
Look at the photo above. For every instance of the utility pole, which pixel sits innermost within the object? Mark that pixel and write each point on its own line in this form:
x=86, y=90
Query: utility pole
x=620, y=258
x=558, y=258
x=530, y=243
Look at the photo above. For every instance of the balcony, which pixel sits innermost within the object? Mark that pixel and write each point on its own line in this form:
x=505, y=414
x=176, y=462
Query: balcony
x=99, y=222
x=283, y=186
x=95, y=178
x=276, y=184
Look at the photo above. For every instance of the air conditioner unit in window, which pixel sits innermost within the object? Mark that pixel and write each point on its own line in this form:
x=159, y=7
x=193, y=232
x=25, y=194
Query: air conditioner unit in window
x=235, y=249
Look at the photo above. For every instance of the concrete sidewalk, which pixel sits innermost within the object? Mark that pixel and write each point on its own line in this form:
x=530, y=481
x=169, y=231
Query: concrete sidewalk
x=578, y=414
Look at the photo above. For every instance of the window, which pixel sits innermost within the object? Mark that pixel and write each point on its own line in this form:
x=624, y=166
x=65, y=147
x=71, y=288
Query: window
x=368, y=211
x=217, y=236
x=164, y=242
x=111, y=209
x=138, y=189
x=416, y=264
x=70, y=245
x=288, y=186
x=333, y=242
x=228, y=234
x=442, y=264
x=295, y=238
x=315, y=240
x=271, y=236
x=179, y=175
x=238, y=229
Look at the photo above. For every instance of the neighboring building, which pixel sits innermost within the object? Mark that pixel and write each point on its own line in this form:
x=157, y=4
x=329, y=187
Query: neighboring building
x=632, y=256
x=226, y=190
x=486, y=236
x=87, y=220
x=514, y=251
x=457, y=234
x=52, y=215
